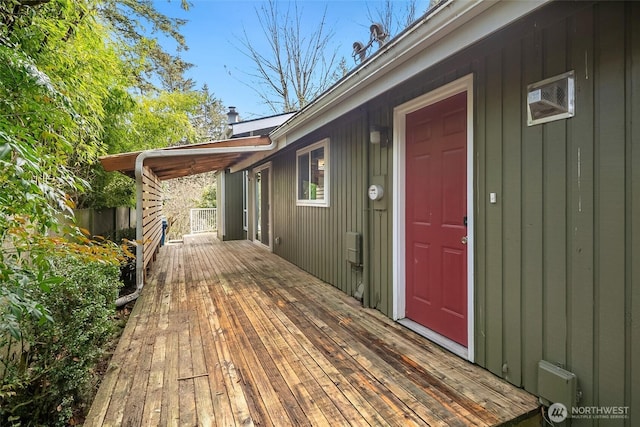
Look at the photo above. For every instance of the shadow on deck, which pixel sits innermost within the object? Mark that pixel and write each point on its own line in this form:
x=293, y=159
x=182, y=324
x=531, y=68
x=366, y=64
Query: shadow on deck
x=230, y=334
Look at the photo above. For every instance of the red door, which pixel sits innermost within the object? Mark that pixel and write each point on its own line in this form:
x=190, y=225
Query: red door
x=436, y=209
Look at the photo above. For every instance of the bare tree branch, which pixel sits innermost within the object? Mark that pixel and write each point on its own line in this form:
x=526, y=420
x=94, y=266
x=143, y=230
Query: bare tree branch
x=297, y=66
x=392, y=20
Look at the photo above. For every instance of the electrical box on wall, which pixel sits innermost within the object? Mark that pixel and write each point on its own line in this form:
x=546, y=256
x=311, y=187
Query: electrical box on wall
x=551, y=99
x=353, y=243
x=557, y=385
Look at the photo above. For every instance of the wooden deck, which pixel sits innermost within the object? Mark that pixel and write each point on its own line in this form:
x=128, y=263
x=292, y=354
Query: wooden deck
x=230, y=334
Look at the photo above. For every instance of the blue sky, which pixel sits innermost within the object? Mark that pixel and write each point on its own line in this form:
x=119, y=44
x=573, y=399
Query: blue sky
x=215, y=25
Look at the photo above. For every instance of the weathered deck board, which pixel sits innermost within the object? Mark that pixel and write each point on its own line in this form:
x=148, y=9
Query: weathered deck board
x=229, y=334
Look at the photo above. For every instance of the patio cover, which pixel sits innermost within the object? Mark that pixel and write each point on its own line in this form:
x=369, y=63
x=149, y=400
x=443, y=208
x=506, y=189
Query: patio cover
x=168, y=167
x=150, y=167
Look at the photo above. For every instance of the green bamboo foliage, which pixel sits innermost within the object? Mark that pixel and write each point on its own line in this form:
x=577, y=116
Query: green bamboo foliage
x=70, y=90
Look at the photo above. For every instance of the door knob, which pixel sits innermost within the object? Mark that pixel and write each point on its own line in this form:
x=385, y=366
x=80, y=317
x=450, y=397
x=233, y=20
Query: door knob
x=464, y=240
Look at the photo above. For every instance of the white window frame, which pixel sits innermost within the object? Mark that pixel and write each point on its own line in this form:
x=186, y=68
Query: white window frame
x=327, y=160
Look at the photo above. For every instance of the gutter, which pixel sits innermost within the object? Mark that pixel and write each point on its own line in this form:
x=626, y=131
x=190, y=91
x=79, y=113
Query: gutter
x=374, y=66
x=450, y=27
x=153, y=154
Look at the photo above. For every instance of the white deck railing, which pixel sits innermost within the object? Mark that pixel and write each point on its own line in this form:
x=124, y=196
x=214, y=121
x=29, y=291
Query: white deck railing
x=203, y=219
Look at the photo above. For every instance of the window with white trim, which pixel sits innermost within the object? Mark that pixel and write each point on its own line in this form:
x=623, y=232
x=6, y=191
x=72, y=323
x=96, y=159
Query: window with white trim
x=312, y=171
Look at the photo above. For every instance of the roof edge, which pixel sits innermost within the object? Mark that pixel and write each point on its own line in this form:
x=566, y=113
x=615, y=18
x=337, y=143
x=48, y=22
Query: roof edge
x=125, y=162
x=442, y=27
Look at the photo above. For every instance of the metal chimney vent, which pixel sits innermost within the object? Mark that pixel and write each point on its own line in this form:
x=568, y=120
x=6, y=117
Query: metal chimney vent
x=232, y=116
x=551, y=99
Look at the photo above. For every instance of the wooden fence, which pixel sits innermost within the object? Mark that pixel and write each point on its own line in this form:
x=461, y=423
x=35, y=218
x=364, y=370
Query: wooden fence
x=151, y=214
x=109, y=222
x=115, y=222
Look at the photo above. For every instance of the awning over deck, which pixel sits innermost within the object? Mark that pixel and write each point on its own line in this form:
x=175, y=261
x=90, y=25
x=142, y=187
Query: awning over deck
x=168, y=167
x=152, y=166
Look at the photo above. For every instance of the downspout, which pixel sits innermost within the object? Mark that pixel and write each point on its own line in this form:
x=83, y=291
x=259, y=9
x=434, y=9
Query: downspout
x=152, y=154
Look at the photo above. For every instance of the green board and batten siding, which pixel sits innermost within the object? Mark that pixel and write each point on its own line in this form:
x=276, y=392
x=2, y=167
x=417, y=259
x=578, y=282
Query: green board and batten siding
x=555, y=254
x=557, y=257
x=233, y=223
x=326, y=227
x=298, y=226
x=230, y=184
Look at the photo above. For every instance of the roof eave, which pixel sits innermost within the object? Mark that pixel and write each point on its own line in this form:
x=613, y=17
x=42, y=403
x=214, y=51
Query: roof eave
x=170, y=167
x=454, y=26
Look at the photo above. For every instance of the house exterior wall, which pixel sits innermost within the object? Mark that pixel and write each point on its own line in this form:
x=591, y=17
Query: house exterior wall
x=557, y=257
x=232, y=203
x=313, y=237
x=221, y=204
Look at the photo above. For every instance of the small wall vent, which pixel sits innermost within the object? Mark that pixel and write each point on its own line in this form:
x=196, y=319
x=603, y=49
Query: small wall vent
x=551, y=99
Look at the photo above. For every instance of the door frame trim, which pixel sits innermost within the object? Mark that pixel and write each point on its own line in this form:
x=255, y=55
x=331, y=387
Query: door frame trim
x=463, y=84
x=255, y=205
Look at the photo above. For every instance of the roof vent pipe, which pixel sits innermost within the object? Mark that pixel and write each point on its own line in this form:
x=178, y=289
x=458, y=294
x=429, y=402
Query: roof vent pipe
x=378, y=33
x=359, y=51
x=232, y=116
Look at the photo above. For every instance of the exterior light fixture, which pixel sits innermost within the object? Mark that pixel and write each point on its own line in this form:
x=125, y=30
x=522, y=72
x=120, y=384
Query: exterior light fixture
x=378, y=134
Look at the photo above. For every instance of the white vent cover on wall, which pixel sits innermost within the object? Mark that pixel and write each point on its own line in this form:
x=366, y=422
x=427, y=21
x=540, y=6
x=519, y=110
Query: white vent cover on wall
x=551, y=99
